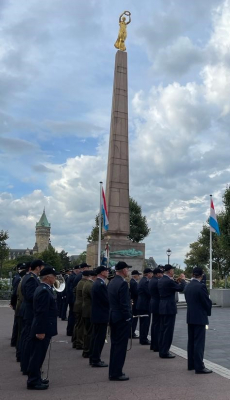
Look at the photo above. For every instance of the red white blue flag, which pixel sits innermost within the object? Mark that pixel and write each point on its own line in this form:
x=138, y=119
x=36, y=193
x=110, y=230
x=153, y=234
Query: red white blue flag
x=213, y=220
x=104, y=211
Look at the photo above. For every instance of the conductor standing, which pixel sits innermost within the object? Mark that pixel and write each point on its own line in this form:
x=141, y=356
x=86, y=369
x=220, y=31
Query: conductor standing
x=198, y=309
x=120, y=321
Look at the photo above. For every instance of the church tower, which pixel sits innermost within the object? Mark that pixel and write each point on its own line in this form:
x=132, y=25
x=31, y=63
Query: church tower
x=42, y=234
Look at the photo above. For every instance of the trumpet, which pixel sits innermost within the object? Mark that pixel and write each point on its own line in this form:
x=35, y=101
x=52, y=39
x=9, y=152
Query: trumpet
x=178, y=279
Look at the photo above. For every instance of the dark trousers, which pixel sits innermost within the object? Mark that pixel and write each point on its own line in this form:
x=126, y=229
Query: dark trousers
x=167, y=323
x=64, y=307
x=37, y=357
x=14, y=333
x=144, y=325
x=79, y=330
x=19, y=322
x=87, y=333
x=20, y=340
x=120, y=332
x=196, y=344
x=26, y=346
x=134, y=320
x=155, y=332
x=97, y=342
x=71, y=321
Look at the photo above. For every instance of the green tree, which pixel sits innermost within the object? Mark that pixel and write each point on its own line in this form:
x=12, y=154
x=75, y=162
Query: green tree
x=138, y=224
x=51, y=256
x=65, y=261
x=81, y=258
x=4, y=249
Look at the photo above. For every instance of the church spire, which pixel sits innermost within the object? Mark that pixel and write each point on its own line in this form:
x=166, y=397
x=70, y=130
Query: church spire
x=43, y=220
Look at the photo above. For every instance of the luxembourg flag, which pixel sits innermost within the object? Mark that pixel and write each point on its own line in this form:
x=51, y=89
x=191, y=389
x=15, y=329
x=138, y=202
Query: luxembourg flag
x=213, y=220
x=104, y=211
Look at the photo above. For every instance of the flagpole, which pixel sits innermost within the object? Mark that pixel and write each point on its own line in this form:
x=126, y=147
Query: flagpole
x=99, y=236
x=210, y=265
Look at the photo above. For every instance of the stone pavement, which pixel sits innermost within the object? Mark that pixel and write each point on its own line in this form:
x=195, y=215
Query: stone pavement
x=71, y=378
x=217, y=336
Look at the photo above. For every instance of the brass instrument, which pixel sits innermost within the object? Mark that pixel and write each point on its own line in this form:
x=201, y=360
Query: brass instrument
x=59, y=284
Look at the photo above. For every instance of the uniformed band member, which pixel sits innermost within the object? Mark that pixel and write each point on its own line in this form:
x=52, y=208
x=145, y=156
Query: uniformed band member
x=154, y=308
x=198, y=309
x=20, y=268
x=86, y=313
x=64, y=302
x=29, y=285
x=120, y=321
x=167, y=288
x=143, y=305
x=133, y=289
x=44, y=326
x=99, y=317
x=77, y=309
x=70, y=284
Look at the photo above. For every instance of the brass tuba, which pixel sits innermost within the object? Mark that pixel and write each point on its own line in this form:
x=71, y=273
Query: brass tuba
x=59, y=284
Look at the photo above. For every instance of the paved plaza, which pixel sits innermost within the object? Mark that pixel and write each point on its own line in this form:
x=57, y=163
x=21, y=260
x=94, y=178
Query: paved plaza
x=150, y=377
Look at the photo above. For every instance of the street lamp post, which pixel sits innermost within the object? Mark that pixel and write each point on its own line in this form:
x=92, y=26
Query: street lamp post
x=168, y=252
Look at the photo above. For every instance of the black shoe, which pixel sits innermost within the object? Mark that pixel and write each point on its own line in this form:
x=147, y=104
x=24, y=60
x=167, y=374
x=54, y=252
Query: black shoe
x=64, y=319
x=147, y=342
x=191, y=368
x=204, y=371
x=156, y=351
x=39, y=386
x=79, y=348
x=169, y=355
x=119, y=378
x=25, y=373
x=100, y=364
x=85, y=355
x=135, y=336
x=45, y=381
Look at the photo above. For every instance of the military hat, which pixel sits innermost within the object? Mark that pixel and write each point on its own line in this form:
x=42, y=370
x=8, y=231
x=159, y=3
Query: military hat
x=48, y=271
x=36, y=263
x=100, y=269
x=147, y=270
x=85, y=273
x=92, y=272
x=121, y=265
x=76, y=267
x=135, y=272
x=197, y=271
x=84, y=265
x=167, y=267
x=157, y=271
x=20, y=266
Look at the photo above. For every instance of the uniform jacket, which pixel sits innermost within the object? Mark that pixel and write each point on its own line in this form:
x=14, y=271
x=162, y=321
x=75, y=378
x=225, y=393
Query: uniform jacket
x=79, y=299
x=100, y=302
x=143, y=294
x=87, y=299
x=167, y=288
x=28, y=287
x=13, y=300
x=119, y=300
x=45, y=312
x=71, y=283
x=133, y=289
x=155, y=295
x=198, y=303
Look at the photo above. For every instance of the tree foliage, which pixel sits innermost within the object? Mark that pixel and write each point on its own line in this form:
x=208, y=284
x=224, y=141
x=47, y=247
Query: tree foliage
x=138, y=224
x=199, y=250
x=65, y=261
x=4, y=249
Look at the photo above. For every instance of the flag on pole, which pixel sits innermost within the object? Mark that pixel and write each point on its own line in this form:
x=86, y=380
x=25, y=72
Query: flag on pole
x=104, y=211
x=213, y=220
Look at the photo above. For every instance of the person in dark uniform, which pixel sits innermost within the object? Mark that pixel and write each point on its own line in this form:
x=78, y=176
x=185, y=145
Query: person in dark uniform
x=29, y=285
x=167, y=288
x=120, y=321
x=198, y=309
x=133, y=289
x=143, y=305
x=70, y=298
x=44, y=326
x=64, y=304
x=86, y=313
x=154, y=308
x=13, y=300
x=99, y=317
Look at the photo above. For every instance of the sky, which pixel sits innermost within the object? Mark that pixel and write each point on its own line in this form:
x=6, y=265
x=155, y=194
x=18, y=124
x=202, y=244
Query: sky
x=56, y=78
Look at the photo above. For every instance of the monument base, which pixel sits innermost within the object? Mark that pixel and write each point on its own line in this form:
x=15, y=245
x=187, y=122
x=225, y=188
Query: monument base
x=120, y=250
x=221, y=297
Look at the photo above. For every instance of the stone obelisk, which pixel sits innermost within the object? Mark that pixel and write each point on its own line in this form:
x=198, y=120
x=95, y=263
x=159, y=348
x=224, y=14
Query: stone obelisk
x=117, y=183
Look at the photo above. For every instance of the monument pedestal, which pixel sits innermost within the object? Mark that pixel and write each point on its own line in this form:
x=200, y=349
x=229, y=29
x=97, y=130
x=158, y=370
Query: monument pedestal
x=120, y=250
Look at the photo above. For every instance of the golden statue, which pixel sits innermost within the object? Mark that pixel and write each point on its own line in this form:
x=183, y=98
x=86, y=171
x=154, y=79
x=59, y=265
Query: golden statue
x=122, y=34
